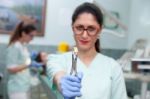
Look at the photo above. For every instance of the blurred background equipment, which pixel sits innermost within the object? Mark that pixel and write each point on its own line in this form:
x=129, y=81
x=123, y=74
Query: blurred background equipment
x=1, y=76
x=63, y=47
x=124, y=28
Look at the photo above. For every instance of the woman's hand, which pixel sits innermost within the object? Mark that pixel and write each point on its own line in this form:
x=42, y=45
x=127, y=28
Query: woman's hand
x=70, y=86
x=36, y=64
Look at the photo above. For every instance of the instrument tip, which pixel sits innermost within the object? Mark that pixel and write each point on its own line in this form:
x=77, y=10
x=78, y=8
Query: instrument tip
x=75, y=49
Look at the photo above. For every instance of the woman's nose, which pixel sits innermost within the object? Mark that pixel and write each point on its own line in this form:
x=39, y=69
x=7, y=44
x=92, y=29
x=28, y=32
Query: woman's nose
x=84, y=34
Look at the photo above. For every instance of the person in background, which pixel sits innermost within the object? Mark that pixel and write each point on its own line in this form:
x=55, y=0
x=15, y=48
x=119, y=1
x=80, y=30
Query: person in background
x=99, y=76
x=42, y=58
x=18, y=61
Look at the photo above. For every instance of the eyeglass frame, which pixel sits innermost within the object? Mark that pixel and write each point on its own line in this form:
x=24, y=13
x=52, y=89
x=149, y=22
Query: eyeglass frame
x=85, y=29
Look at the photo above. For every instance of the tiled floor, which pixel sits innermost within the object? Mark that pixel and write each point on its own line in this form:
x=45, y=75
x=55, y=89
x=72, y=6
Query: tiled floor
x=37, y=92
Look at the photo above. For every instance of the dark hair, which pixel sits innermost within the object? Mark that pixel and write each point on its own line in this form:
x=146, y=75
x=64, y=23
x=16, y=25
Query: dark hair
x=39, y=59
x=21, y=27
x=95, y=11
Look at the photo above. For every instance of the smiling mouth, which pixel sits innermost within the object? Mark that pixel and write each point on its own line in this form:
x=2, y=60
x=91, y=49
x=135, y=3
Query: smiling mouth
x=83, y=42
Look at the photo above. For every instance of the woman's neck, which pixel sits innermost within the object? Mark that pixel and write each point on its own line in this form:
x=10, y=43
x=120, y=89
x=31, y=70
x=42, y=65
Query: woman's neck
x=21, y=40
x=87, y=56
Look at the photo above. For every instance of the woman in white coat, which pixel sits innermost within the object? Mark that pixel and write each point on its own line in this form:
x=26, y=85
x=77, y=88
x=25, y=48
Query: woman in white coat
x=101, y=76
x=18, y=62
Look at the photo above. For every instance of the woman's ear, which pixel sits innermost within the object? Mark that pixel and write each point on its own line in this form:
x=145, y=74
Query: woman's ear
x=73, y=30
x=100, y=29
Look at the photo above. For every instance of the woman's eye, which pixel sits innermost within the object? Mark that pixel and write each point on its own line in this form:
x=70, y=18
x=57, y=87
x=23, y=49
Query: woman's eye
x=91, y=28
x=79, y=28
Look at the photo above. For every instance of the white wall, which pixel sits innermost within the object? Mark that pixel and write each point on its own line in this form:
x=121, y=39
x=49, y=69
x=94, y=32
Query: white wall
x=58, y=23
x=134, y=13
x=122, y=7
x=139, y=21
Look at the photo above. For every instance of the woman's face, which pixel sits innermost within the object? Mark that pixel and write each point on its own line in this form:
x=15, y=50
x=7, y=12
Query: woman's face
x=43, y=56
x=28, y=37
x=86, y=31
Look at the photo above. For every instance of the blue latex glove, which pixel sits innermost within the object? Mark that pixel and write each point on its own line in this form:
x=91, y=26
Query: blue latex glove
x=33, y=55
x=36, y=64
x=71, y=85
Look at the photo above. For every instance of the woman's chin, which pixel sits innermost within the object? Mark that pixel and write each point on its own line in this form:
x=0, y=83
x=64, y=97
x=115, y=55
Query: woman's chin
x=84, y=48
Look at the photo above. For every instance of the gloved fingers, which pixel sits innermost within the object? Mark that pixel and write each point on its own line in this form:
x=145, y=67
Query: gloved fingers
x=70, y=83
x=69, y=98
x=72, y=98
x=69, y=94
x=39, y=64
x=36, y=64
x=72, y=78
x=34, y=54
x=70, y=88
x=74, y=84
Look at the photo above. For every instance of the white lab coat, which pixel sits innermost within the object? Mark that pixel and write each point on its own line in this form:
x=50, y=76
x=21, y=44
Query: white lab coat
x=102, y=79
x=18, y=83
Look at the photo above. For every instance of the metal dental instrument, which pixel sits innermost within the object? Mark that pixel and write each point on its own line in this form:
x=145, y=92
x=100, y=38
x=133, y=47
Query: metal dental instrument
x=74, y=61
